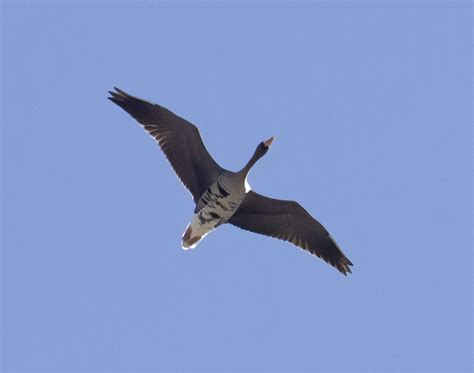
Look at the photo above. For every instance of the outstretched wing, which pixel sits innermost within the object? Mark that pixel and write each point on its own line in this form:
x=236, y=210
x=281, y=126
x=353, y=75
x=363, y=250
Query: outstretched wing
x=179, y=140
x=289, y=221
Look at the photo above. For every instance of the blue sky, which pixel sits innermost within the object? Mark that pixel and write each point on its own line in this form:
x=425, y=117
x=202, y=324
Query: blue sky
x=370, y=103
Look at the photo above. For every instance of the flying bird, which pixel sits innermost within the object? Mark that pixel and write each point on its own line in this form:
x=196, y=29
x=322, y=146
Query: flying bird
x=223, y=196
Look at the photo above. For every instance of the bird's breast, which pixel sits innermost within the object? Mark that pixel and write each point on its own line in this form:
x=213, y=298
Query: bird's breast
x=219, y=202
x=217, y=205
x=218, y=208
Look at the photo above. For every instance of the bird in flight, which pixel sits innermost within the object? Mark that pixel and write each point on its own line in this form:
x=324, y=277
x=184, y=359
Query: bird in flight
x=223, y=196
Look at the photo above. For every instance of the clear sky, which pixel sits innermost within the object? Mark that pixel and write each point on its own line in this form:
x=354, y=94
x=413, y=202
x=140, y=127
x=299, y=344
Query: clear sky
x=370, y=103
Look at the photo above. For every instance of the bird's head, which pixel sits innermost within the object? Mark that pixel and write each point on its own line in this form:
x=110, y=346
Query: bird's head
x=263, y=147
x=268, y=142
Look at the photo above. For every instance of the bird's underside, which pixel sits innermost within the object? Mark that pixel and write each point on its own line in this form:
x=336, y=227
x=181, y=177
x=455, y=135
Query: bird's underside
x=222, y=196
x=215, y=207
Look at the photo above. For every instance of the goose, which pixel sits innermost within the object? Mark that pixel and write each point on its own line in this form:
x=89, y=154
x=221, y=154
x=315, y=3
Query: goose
x=222, y=196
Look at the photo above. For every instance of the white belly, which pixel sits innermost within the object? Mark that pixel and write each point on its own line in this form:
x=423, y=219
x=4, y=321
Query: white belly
x=216, y=211
x=203, y=223
x=195, y=232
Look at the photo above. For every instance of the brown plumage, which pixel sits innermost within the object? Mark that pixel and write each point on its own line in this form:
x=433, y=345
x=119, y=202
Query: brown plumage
x=221, y=196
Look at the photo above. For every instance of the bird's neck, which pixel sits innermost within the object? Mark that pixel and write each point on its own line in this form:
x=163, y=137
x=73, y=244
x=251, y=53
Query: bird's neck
x=250, y=163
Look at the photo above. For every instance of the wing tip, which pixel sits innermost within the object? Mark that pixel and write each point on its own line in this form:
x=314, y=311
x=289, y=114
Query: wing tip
x=343, y=265
x=118, y=95
x=121, y=96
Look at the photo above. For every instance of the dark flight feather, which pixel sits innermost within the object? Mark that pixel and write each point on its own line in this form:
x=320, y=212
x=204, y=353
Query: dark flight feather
x=179, y=139
x=289, y=221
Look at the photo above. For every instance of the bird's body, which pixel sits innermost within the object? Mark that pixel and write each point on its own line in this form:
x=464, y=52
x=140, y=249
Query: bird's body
x=223, y=196
x=216, y=206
